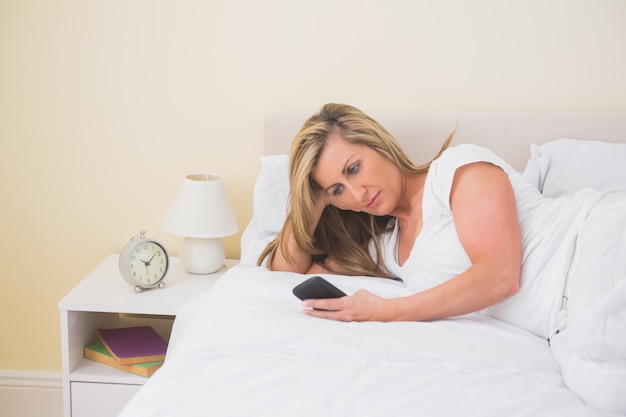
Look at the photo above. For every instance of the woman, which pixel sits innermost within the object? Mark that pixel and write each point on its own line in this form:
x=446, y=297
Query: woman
x=450, y=229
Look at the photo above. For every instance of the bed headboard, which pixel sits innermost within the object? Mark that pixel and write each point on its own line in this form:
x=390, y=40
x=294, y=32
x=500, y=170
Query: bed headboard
x=508, y=134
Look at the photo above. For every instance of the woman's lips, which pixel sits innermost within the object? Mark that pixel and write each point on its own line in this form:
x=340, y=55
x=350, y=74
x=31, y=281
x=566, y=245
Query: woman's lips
x=374, y=201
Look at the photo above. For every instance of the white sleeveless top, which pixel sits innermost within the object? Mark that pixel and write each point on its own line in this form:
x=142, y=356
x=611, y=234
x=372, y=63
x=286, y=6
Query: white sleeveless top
x=547, y=243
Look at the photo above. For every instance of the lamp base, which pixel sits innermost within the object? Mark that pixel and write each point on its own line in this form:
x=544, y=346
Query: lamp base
x=201, y=256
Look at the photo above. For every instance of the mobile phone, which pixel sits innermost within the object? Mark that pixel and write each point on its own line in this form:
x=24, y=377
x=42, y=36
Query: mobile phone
x=317, y=288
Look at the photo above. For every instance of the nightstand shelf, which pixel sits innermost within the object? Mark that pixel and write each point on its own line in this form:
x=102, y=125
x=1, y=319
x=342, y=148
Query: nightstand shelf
x=93, y=372
x=104, y=299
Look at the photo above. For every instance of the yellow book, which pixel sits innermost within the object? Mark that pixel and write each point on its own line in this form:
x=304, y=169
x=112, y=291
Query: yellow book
x=98, y=353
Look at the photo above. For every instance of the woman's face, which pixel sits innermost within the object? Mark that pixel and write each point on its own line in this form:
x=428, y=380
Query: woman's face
x=358, y=178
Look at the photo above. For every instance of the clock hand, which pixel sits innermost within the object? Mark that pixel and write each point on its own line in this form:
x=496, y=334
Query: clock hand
x=148, y=263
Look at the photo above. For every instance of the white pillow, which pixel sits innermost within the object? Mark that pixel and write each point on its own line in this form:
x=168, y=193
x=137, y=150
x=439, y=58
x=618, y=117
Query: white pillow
x=564, y=166
x=270, y=201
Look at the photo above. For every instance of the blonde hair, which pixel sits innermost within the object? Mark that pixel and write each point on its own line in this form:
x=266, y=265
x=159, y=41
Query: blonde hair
x=343, y=236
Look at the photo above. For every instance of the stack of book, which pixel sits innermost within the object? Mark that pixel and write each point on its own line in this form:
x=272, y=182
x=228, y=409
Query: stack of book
x=139, y=350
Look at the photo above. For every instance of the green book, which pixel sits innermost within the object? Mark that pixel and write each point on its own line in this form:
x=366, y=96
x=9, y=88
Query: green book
x=98, y=353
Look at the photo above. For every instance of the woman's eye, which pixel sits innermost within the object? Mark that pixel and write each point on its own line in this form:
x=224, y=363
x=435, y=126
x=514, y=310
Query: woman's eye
x=353, y=169
x=338, y=190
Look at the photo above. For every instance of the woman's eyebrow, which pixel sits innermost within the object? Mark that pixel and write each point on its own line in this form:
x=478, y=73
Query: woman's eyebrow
x=345, y=166
x=343, y=172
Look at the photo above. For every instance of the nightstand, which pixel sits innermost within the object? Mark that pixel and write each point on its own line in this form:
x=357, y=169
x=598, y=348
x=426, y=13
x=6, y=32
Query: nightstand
x=104, y=299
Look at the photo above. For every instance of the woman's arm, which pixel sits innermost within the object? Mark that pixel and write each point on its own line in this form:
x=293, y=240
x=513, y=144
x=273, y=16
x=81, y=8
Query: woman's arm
x=485, y=215
x=296, y=259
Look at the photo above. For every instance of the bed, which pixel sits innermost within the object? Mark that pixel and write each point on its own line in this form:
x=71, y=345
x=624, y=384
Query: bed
x=245, y=349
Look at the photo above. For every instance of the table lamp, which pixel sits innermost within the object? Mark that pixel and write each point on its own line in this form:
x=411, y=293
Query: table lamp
x=201, y=212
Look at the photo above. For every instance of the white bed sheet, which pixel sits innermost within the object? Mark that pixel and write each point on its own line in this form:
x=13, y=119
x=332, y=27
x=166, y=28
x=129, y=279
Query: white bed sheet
x=245, y=349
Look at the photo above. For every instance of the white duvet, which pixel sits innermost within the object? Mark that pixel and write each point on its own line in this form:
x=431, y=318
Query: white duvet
x=591, y=348
x=245, y=349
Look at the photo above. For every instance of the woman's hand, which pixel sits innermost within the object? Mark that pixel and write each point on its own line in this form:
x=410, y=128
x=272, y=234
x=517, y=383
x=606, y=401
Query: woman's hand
x=322, y=199
x=301, y=260
x=362, y=306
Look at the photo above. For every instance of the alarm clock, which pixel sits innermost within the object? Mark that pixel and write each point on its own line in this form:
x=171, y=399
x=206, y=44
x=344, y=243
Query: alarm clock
x=143, y=262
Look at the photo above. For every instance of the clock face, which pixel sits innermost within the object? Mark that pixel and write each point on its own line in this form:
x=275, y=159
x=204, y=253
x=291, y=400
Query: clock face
x=147, y=264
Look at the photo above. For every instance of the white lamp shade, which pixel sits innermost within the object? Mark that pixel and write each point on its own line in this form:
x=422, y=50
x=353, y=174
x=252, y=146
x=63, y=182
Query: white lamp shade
x=201, y=209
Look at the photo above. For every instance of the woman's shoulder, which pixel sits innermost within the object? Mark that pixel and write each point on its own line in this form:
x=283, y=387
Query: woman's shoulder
x=470, y=152
x=463, y=154
x=442, y=170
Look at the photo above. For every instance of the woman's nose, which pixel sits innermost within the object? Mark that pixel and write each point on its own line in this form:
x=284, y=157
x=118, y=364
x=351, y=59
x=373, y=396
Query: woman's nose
x=358, y=193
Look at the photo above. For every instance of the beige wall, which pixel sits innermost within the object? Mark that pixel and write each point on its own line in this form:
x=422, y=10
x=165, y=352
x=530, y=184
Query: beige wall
x=105, y=105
